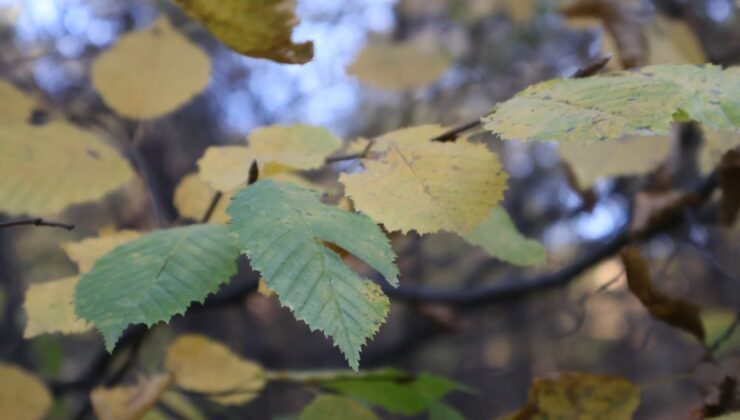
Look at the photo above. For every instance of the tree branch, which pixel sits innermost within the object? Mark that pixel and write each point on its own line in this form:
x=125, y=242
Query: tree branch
x=36, y=221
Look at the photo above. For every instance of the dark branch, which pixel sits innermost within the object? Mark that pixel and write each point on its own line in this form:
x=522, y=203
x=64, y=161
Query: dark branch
x=36, y=221
x=211, y=207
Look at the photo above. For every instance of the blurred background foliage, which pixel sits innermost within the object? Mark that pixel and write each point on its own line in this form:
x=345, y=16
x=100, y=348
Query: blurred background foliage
x=495, y=49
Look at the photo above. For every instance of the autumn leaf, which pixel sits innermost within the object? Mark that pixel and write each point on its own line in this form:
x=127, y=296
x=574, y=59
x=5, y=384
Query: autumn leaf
x=398, y=66
x=331, y=407
x=22, y=395
x=49, y=307
x=644, y=102
x=580, y=396
x=728, y=178
x=427, y=186
x=88, y=250
x=255, y=28
x=47, y=168
x=498, y=236
x=279, y=226
x=619, y=157
x=676, y=312
x=150, y=73
x=155, y=277
x=652, y=209
x=15, y=105
x=716, y=143
x=208, y=367
x=193, y=195
x=295, y=146
x=129, y=402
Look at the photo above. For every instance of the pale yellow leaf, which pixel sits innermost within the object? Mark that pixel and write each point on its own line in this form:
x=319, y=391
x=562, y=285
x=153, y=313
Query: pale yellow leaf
x=50, y=308
x=15, y=106
x=294, y=146
x=150, y=73
x=44, y=169
x=427, y=186
x=22, y=395
x=399, y=66
x=88, y=250
x=618, y=157
x=193, y=196
x=671, y=41
x=256, y=28
x=205, y=366
x=129, y=402
x=716, y=143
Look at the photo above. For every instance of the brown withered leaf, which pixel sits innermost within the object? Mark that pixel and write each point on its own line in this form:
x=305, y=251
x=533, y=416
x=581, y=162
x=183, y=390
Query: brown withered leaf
x=728, y=177
x=673, y=311
x=622, y=19
x=651, y=209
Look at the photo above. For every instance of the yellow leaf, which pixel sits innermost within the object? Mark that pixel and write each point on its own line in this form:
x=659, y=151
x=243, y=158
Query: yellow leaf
x=716, y=143
x=151, y=73
x=47, y=168
x=671, y=41
x=582, y=396
x=87, y=251
x=50, y=308
x=618, y=157
x=399, y=66
x=294, y=146
x=15, y=106
x=22, y=395
x=205, y=366
x=256, y=28
x=129, y=402
x=193, y=196
x=427, y=186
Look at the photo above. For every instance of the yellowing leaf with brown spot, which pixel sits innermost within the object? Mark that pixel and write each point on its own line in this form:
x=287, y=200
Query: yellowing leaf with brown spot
x=582, y=396
x=208, y=367
x=295, y=146
x=256, y=28
x=428, y=186
x=150, y=73
x=50, y=308
x=88, y=250
x=22, y=395
x=44, y=169
x=618, y=157
x=193, y=196
x=15, y=106
x=129, y=402
x=399, y=66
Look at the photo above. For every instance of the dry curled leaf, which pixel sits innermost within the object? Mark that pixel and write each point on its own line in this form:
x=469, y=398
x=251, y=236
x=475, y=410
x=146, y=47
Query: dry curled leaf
x=673, y=311
x=652, y=209
x=129, y=402
x=728, y=177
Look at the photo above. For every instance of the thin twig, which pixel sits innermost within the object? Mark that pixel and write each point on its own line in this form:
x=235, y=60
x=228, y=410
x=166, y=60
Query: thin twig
x=211, y=207
x=36, y=221
x=724, y=337
x=352, y=156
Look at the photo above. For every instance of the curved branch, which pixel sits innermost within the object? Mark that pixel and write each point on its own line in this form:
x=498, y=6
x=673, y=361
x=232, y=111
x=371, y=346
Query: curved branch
x=36, y=221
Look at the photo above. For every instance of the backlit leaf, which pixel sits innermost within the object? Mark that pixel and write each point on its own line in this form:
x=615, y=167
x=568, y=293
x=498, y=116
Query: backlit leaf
x=150, y=73
x=580, y=396
x=49, y=307
x=193, y=196
x=399, y=66
x=129, y=402
x=635, y=155
x=278, y=226
x=295, y=146
x=427, y=186
x=643, y=102
x=331, y=407
x=22, y=395
x=88, y=250
x=155, y=277
x=46, y=168
x=208, y=367
x=498, y=236
x=256, y=28
x=676, y=312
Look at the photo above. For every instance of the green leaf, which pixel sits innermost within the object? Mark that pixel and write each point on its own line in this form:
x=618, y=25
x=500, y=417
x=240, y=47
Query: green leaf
x=394, y=390
x=439, y=411
x=155, y=277
x=643, y=102
x=498, y=236
x=279, y=226
x=331, y=407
